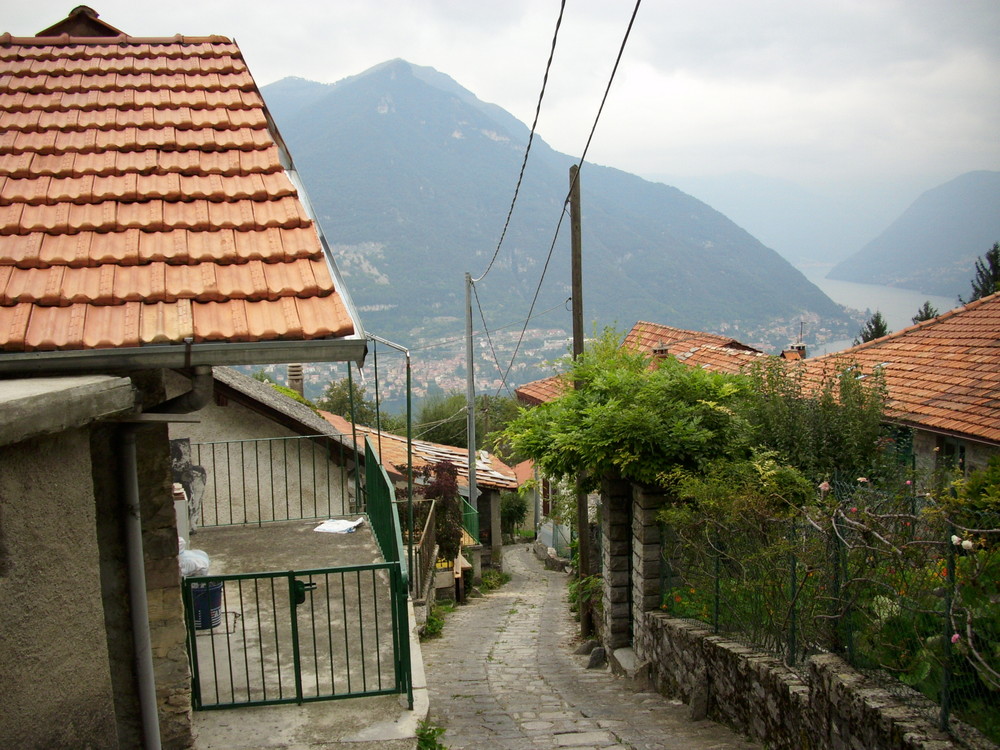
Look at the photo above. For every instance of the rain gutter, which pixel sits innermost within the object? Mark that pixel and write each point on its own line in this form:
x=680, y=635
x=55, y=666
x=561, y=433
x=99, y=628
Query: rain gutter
x=184, y=355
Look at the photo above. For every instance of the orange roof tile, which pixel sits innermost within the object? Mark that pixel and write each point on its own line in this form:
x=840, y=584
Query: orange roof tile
x=942, y=374
x=491, y=472
x=143, y=200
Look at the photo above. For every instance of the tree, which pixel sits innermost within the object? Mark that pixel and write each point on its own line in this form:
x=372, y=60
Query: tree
x=337, y=400
x=821, y=429
x=442, y=419
x=443, y=487
x=629, y=419
x=987, y=280
x=926, y=312
x=874, y=328
x=261, y=376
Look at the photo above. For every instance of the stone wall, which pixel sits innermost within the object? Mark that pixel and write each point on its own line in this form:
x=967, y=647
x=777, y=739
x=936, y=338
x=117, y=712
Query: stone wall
x=833, y=707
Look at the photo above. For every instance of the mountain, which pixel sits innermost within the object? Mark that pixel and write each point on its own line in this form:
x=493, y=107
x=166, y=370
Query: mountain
x=932, y=247
x=804, y=226
x=412, y=176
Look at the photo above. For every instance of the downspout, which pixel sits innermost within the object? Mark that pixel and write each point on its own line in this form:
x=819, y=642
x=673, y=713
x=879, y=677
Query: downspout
x=143, y=646
x=202, y=388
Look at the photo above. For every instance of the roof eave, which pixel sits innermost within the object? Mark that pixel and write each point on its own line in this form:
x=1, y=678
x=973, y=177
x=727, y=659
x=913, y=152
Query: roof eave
x=155, y=356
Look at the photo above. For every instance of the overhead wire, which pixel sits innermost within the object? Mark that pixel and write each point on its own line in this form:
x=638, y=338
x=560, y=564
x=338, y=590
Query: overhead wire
x=531, y=137
x=489, y=339
x=562, y=215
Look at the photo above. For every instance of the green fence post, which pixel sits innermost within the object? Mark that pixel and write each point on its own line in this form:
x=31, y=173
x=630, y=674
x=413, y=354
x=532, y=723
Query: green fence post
x=717, y=596
x=792, y=585
x=946, y=667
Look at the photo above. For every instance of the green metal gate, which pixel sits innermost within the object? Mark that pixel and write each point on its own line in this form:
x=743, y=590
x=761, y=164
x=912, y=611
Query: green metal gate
x=292, y=637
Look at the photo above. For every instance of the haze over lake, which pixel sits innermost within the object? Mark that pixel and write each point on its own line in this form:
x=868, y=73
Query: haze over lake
x=898, y=306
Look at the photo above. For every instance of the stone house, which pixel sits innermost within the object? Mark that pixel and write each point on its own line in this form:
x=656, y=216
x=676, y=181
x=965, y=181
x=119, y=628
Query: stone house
x=943, y=382
x=151, y=227
x=493, y=476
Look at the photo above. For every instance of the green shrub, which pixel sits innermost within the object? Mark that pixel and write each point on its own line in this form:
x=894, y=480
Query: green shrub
x=428, y=734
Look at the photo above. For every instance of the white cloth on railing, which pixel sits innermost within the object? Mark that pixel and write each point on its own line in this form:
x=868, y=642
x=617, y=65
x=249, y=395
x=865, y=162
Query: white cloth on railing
x=339, y=526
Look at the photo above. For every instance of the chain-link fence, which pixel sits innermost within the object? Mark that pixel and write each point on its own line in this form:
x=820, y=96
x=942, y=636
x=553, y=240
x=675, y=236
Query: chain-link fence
x=901, y=585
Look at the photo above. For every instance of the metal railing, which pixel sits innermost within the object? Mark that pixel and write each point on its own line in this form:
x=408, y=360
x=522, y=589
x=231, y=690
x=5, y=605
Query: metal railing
x=899, y=585
x=299, y=636
x=470, y=520
x=273, y=479
x=424, y=565
x=379, y=498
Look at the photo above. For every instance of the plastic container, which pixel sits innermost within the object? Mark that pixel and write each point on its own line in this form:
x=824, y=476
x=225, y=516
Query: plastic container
x=207, y=604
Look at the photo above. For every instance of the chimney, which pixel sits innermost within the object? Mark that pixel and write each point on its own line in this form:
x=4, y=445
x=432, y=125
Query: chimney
x=295, y=379
x=794, y=352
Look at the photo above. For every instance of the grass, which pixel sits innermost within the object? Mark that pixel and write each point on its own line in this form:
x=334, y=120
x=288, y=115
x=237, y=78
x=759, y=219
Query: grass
x=435, y=622
x=494, y=579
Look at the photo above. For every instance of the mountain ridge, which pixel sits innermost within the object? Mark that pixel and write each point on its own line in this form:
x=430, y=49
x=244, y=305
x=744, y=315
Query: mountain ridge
x=933, y=245
x=411, y=176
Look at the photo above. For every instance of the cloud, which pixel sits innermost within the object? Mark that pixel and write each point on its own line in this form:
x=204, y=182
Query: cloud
x=805, y=90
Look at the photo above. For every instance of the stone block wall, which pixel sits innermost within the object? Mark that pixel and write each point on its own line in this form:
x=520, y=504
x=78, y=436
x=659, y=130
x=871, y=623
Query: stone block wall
x=616, y=555
x=833, y=708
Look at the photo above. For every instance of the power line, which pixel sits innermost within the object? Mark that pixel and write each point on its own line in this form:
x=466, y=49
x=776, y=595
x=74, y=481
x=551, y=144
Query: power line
x=493, y=351
x=562, y=215
x=531, y=137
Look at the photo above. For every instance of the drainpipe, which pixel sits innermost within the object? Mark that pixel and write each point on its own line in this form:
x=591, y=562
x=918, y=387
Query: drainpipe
x=137, y=592
x=202, y=388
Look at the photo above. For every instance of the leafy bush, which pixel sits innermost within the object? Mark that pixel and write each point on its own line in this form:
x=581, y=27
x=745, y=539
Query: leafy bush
x=428, y=735
x=513, y=511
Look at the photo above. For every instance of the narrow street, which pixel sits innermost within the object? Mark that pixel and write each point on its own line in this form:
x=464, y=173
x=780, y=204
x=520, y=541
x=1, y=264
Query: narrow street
x=503, y=675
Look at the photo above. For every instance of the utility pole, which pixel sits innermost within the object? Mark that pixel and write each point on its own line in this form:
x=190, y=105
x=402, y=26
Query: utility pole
x=582, y=510
x=470, y=394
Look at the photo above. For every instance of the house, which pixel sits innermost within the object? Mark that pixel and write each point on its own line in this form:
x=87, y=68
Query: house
x=695, y=348
x=493, y=476
x=943, y=382
x=263, y=456
x=150, y=222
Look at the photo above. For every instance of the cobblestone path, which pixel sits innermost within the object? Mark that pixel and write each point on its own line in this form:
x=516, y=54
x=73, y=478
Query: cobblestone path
x=504, y=676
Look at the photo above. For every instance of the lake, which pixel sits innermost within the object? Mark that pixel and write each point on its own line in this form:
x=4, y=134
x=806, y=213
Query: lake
x=898, y=306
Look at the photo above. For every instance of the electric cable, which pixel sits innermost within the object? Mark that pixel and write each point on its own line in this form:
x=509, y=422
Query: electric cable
x=489, y=339
x=531, y=137
x=562, y=215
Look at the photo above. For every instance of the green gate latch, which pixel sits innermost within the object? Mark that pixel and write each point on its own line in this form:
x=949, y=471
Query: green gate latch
x=300, y=588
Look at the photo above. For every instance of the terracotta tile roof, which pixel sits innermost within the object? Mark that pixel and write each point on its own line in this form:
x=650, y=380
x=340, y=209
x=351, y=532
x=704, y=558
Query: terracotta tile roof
x=941, y=375
x=491, y=472
x=144, y=200
x=694, y=348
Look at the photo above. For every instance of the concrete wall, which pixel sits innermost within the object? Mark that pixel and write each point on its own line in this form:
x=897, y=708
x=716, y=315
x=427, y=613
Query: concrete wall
x=927, y=447
x=54, y=668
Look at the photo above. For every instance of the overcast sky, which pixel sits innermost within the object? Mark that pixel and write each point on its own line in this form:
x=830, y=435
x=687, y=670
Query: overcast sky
x=818, y=92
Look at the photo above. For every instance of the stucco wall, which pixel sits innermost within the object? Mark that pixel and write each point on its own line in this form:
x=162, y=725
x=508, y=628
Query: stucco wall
x=56, y=683
x=300, y=468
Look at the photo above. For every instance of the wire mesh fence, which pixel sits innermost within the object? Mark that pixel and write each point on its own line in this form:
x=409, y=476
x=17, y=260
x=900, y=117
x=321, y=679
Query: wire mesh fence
x=901, y=585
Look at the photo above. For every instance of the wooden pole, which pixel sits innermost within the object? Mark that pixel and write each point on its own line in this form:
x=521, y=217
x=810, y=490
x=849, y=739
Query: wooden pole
x=582, y=510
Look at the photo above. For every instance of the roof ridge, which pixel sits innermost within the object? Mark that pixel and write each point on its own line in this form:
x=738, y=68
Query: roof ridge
x=7, y=39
